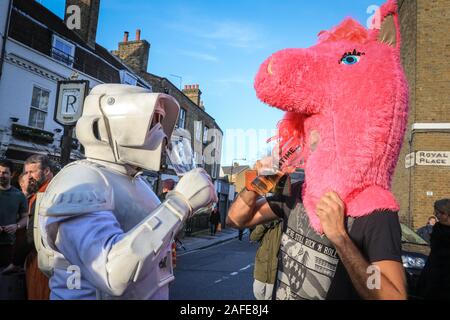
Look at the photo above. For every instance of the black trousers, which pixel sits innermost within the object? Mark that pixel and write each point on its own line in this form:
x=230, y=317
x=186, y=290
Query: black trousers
x=6, y=251
x=214, y=228
x=21, y=248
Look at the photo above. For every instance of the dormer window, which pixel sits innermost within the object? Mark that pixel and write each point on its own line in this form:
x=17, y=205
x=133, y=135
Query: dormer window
x=127, y=78
x=63, y=50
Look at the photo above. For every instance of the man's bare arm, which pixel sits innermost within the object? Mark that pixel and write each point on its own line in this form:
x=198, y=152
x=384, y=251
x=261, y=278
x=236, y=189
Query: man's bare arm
x=249, y=210
x=391, y=273
x=330, y=211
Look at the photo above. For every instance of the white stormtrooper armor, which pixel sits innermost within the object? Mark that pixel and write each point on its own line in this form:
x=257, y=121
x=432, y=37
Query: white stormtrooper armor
x=102, y=233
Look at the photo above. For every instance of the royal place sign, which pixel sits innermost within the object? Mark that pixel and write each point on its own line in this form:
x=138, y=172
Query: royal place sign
x=433, y=158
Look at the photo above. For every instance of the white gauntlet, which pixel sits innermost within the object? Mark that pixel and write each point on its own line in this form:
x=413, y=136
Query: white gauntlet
x=196, y=188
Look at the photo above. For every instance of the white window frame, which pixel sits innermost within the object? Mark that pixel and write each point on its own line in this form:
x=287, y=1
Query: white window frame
x=37, y=109
x=127, y=78
x=182, y=118
x=72, y=53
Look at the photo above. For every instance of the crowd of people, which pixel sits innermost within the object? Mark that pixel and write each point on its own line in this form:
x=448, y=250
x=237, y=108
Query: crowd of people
x=17, y=211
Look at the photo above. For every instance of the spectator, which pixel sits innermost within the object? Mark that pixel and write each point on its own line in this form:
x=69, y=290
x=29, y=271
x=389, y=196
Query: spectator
x=266, y=261
x=23, y=183
x=214, y=220
x=426, y=230
x=13, y=213
x=20, y=249
x=37, y=170
x=434, y=282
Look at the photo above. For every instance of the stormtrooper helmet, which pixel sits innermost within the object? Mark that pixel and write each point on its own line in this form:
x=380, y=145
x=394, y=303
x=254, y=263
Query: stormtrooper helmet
x=127, y=125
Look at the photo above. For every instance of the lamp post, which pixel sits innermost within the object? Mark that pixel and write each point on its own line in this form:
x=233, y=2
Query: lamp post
x=241, y=231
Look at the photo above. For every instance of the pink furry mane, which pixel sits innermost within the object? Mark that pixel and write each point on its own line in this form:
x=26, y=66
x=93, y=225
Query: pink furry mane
x=349, y=30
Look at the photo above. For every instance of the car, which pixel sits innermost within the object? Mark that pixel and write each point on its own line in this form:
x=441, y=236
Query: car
x=415, y=252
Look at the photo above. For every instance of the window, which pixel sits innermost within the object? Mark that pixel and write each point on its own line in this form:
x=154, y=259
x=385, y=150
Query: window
x=182, y=119
x=39, y=107
x=63, y=50
x=205, y=134
x=127, y=78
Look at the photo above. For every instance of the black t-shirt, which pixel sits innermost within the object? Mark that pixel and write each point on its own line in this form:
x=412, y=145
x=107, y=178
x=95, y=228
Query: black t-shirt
x=309, y=267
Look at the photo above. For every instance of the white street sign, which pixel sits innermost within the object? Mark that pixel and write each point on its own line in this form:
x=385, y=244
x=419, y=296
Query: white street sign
x=433, y=158
x=70, y=100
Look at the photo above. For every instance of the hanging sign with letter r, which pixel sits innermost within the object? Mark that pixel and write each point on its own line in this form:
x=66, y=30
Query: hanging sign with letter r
x=70, y=100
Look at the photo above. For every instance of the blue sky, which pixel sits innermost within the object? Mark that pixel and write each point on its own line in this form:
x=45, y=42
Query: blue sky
x=220, y=46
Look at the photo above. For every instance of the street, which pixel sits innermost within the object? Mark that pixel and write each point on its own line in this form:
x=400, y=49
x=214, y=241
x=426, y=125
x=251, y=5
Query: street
x=221, y=272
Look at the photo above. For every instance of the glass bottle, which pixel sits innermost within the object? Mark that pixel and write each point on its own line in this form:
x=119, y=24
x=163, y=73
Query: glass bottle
x=266, y=183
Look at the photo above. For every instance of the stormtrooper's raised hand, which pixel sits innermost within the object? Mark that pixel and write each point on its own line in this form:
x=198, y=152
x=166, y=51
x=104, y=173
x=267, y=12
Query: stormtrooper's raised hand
x=197, y=188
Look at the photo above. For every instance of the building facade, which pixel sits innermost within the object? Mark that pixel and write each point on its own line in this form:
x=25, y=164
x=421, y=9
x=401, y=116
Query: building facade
x=423, y=172
x=38, y=51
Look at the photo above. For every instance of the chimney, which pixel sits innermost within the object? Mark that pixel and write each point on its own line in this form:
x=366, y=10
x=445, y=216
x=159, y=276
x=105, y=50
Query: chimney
x=138, y=35
x=134, y=53
x=89, y=10
x=193, y=92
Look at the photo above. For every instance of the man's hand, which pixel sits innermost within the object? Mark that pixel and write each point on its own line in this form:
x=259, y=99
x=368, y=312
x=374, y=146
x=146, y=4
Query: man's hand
x=11, y=229
x=330, y=210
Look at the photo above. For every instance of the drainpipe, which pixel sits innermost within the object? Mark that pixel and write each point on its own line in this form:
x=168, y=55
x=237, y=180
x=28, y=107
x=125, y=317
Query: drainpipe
x=5, y=37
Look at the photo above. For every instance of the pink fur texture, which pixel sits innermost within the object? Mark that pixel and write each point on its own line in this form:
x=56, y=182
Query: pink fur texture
x=358, y=111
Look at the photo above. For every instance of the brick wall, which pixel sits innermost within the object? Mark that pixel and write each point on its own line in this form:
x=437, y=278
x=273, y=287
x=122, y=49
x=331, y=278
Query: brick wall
x=402, y=178
x=426, y=60
x=429, y=178
x=433, y=61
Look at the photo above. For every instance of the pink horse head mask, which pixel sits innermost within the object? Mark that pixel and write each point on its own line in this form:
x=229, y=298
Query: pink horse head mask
x=347, y=100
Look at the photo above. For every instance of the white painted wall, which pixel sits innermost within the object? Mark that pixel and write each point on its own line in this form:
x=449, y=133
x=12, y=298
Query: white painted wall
x=16, y=85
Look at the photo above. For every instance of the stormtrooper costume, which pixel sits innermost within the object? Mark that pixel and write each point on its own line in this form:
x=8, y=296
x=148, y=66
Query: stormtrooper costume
x=102, y=233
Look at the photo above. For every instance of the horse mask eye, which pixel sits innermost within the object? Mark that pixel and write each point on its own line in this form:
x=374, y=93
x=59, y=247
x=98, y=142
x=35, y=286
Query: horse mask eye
x=349, y=60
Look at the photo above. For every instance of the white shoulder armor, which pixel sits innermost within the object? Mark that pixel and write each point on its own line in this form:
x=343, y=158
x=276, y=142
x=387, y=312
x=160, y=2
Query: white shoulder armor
x=79, y=188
